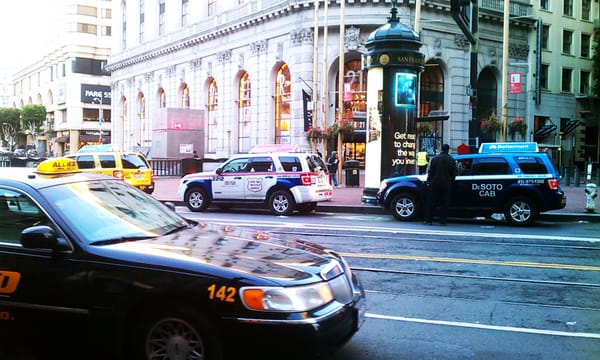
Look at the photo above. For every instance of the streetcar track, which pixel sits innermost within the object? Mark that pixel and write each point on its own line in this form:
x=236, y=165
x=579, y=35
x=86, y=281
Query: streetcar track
x=477, y=277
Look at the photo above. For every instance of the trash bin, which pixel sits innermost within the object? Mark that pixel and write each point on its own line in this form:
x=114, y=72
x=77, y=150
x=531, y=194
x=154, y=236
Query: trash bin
x=352, y=172
x=190, y=166
x=590, y=197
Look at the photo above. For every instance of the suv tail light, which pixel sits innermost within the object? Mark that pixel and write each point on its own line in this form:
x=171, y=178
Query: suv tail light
x=118, y=174
x=305, y=179
x=553, y=184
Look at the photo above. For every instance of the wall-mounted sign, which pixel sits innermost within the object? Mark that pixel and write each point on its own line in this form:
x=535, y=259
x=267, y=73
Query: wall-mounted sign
x=95, y=94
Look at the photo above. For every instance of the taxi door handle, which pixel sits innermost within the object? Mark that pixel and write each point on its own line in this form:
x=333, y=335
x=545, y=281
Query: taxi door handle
x=269, y=177
x=237, y=177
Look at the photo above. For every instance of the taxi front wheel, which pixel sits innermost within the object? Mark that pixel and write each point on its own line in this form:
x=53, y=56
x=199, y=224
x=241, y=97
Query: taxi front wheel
x=179, y=334
x=521, y=211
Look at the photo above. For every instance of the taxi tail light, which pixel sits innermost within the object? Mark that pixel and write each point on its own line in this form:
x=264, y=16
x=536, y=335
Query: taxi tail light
x=305, y=179
x=118, y=174
x=553, y=184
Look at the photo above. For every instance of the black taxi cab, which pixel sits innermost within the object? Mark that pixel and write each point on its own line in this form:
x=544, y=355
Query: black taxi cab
x=91, y=267
x=515, y=180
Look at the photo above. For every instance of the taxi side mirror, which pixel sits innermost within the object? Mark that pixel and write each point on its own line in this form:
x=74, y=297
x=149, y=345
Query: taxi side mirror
x=219, y=171
x=43, y=237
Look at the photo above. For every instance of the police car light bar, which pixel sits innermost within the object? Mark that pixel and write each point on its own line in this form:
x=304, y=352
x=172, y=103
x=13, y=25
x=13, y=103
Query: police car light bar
x=487, y=148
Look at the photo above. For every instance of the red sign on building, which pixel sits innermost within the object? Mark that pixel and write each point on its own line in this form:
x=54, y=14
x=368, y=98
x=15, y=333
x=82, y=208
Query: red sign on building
x=515, y=83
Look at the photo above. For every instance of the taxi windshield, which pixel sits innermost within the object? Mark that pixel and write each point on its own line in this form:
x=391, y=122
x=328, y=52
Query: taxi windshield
x=109, y=210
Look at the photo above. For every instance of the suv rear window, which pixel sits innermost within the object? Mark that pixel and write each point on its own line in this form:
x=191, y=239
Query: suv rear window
x=531, y=165
x=85, y=161
x=315, y=163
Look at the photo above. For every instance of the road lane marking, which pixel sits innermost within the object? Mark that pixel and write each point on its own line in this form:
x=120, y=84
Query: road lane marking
x=484, y=326
x=471, y=261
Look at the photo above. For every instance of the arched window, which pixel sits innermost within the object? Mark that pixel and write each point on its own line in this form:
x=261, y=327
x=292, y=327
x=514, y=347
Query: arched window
x=142, y=114
x=162, y=98
x=487, y=97
x=283, y=89
x=185, y=96
x=244, y=113
x=126, y=125
x=211, y=106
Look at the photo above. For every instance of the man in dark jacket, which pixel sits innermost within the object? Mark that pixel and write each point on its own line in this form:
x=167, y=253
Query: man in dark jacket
x=440, y=179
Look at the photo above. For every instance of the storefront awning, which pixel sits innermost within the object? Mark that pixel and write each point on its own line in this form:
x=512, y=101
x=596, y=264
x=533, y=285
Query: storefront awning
x=434, y=115
x=84, y=138
x=545, y=130
x=571, y=126
x=62, y=139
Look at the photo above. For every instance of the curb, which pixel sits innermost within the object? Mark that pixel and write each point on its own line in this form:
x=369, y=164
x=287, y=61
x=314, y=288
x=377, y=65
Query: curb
x=376, y=210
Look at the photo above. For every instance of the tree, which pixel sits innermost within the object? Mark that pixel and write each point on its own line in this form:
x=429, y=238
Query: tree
x=32, y=118
x=10, y=122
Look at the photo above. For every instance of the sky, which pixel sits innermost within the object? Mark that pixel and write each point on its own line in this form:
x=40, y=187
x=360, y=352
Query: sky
x=22, y=31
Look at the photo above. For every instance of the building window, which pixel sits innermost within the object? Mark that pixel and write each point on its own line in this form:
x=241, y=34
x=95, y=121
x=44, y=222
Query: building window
x=585, y=45
x=567, y=42
x=545, y=4
x=212, y=116
x=142, y=114
x=212, y=7
x=87, y=10
x=584, y=83
x=123, y=25
x=544, y=80
x=568, y=8
x=185, y=9
x=106, y=30
x=106, y=13
x=566, y=80
x=586, y=5
x=87, y=28
x=142, y=21
x=244, y=115
x=162, y=98
x=545, y=36
x=185, y=97
x=161, y=17
x=283, y=88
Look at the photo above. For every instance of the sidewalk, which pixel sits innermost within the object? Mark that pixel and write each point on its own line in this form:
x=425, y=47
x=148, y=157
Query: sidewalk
x=348, y=199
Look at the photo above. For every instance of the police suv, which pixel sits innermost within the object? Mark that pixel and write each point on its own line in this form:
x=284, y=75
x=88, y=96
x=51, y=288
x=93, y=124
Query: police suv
x=513, y=179
x=283, y=182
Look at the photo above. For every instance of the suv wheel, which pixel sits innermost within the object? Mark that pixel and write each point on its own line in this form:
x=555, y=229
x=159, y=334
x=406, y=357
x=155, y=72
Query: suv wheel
x=281, y=202
x=196, y=199
x=520, y=211
x=405, y=207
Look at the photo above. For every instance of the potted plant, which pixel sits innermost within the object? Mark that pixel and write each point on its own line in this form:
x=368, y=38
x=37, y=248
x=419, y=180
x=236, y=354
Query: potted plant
x=344, y=127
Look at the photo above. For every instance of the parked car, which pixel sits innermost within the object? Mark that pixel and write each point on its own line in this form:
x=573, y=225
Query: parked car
x=513, y=179
x=129, y=166
x=93, y=268
x=282, y=182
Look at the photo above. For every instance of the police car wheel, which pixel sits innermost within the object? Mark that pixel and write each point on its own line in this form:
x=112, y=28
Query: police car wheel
x=281, y=202
x=405, y=207
x=179, y=334
x=196, y=199
x=520, y=211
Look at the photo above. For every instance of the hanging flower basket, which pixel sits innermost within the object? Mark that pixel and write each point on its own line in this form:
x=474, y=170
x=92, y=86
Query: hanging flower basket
x=344, y=127
x=517, y=126
x=314, y=133
x=490, y=124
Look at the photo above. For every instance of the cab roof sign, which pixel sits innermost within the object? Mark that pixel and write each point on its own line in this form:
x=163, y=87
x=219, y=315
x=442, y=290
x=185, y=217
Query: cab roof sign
x=487, y=148
x=57, y=166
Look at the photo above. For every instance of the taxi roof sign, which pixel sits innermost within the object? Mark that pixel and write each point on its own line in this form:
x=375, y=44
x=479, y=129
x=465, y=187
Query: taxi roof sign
x=57, y=166
x=487, y=148
x=273, y=148
x=98, y=148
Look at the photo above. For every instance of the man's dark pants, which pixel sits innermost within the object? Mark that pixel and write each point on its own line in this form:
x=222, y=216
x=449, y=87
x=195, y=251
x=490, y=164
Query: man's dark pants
x=438, y=195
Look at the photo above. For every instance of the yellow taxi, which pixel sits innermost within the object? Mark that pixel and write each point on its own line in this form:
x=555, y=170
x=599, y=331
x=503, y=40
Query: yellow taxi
x=129, y=166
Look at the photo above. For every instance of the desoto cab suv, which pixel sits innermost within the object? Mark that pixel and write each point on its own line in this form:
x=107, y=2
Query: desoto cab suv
x=282, y=182
x=129, y=166
x=513, y=179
